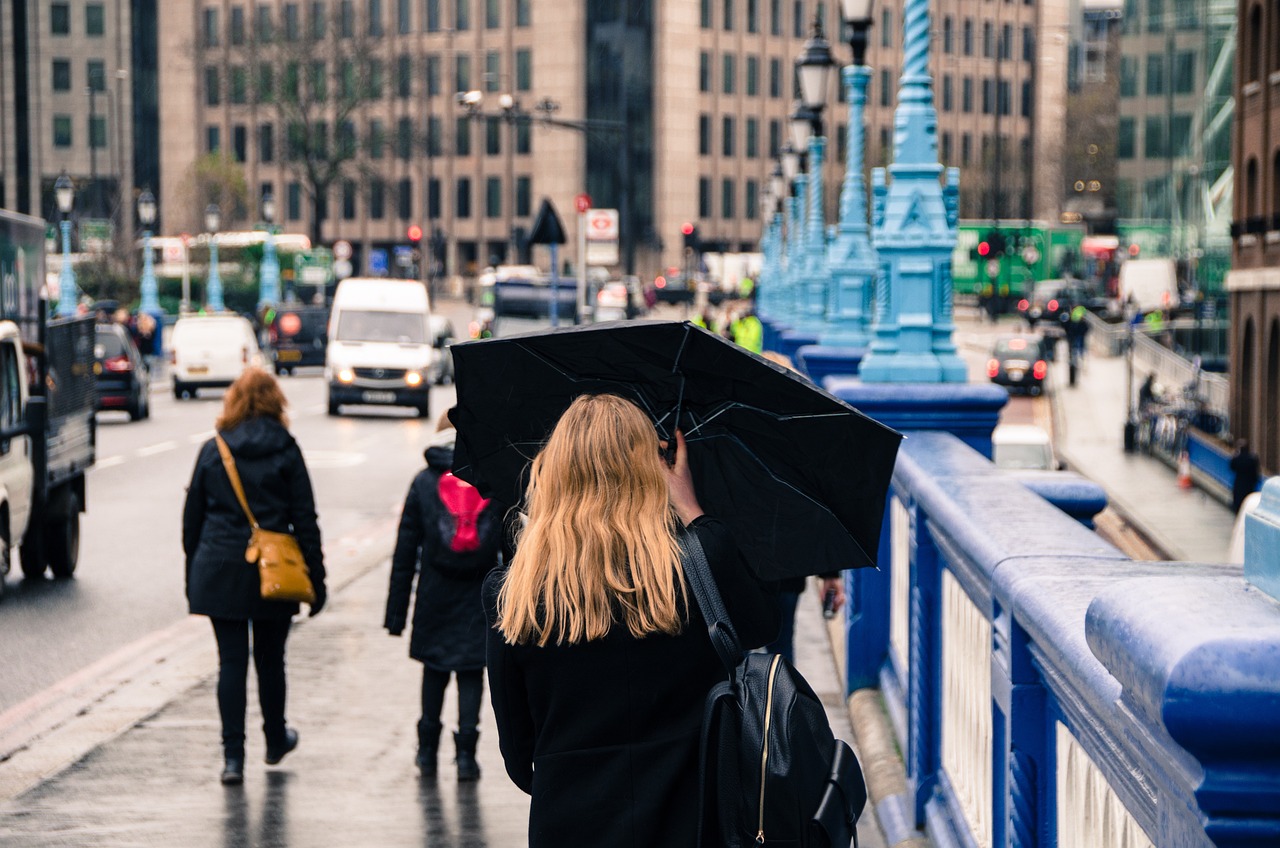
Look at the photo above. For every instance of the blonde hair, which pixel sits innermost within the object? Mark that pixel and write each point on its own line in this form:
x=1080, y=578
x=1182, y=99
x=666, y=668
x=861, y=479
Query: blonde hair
x=599, y=546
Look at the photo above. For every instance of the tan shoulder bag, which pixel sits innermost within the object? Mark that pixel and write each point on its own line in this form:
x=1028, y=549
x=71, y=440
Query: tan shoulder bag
x=281, y=566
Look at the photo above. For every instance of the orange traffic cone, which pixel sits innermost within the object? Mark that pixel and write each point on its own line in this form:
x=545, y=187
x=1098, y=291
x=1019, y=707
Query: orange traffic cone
x=1184, y=471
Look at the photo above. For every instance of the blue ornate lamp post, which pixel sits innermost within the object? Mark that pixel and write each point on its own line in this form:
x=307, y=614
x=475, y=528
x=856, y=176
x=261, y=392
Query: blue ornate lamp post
x=149, y=290
x=64, y=194
x=269, y=274
x=852, y=258
x=814, y=67
x=213, y=292
x=915, y=234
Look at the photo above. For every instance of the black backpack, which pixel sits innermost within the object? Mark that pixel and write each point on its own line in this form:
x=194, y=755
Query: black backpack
x=771, y=770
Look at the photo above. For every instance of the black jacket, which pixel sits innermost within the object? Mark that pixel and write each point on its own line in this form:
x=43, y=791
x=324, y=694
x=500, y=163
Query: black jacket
x=215, y=531
x=604, y=734
x=448, y=618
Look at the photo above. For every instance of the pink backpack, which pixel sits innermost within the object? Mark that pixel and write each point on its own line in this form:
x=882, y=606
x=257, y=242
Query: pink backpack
x=463, y=503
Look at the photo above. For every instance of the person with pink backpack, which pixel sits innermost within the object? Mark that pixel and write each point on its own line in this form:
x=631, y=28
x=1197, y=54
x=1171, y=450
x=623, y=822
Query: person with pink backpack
x=449, y=539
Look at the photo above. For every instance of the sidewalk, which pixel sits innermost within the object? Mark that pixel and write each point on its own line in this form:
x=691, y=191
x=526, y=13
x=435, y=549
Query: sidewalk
x=1188, y=524
x=354, y=698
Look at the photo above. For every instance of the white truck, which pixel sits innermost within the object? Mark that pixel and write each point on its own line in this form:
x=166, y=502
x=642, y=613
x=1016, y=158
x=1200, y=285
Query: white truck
x=47, y=399
x=1148, y=285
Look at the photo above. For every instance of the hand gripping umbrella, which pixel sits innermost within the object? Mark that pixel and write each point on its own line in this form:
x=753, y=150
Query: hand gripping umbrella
x=800, y=476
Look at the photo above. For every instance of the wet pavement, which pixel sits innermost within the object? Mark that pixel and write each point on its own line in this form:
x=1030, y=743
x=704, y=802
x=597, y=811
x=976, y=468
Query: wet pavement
x=354, y=698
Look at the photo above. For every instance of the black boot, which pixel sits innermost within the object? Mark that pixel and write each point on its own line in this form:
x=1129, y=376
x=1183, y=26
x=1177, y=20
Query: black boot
x=465, y=743
x=276, y=753
x=428, y=747
x=233, y=769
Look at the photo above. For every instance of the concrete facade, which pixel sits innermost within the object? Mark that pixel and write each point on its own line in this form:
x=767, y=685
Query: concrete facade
x=1253, y=285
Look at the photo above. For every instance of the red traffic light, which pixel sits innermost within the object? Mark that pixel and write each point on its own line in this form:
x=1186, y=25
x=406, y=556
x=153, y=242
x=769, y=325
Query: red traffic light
x=686, y=228
x=984, y=248
x=415, y=233
x=1134, y=249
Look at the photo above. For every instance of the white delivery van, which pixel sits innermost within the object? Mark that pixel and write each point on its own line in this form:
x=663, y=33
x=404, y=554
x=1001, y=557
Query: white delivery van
x=211, y=351
x=1149, y=284
x=380, y=348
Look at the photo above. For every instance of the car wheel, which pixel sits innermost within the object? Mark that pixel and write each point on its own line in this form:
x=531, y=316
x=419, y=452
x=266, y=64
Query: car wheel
x=333, y=407
x=135, y=406
x=179, y=391
x=63, y=540
x=424, y=411
x=6, y=561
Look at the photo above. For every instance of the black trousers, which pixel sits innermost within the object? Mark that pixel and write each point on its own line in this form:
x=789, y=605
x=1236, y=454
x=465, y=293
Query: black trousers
x=269, y=637
x=470, y=693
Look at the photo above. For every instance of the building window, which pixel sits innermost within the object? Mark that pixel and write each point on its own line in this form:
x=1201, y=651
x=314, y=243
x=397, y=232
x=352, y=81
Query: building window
x=374, y=82
x=404, y=17
x=433, y=198
x=377, y=138
x=492, y=197
x=98, y=131
x=237, y=26
x=988, y=40
x=946, y=93
x=375, y=18
x=60, y=18
x=1154, y=140
x=966, y=95
x=524, y=195
x=347, y=141
x=1028, y=44
x=886, y=88
x=753, y=76
x=775, y=78
x=96, y=74
x=1028, y=99
x=751, y=203
x=61, y=75
x=435, y=136
x=212, y=139
x=1179, y=140
x=292, y=22
x=728, y=83
x=264, y=27
x=377, y=199
x=404, y=199
x=1184, y=71
x=797, y=19
x=966, y=150
x=346, y=20
x=753, y=15
x=704, y=135
x=433, y=76
x=212, y=87
x=775, y=138
x=727, y=197
x=348, y=200
x=704, y=197
x=239, y=142
x=705, y=16
x=1155, y=16
x=522, y=13
x=462, y=137
x=293, y=201
x=727, y=136
x=239, y=84
x=886, y=28
x=462, y=202
x=433, y=15
x=266, y=143
x=462, y=17
x=752, y=138
x=1004, y=97
x=462, y=73
x=1006, y=42
x=704, y=71
x=95, y=19
x=404, y=138
x=210, y=28
x=1129, y=76
x=524, y=138
x=492, y=136
x=988, y=97
x=1155, y=74
x=524, y=70
x=319, y=82
x=946, y=148
x=728, y=16
x=968, y=37
x=948, y=34
x=492, y=71
x=492, y=14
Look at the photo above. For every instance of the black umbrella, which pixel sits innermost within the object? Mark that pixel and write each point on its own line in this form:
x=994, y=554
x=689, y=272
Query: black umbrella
x=800, y=476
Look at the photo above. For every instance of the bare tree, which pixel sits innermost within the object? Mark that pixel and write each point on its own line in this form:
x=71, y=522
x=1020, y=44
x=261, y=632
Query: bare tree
x=216, y=178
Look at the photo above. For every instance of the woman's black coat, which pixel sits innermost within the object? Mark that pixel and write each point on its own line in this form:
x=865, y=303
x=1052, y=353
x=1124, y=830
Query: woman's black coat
x=604, y=734
x=448, y=618
x=215, y=531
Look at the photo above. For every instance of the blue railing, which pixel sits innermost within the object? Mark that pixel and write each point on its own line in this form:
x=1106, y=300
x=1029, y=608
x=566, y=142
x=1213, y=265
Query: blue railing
x=1045, y=689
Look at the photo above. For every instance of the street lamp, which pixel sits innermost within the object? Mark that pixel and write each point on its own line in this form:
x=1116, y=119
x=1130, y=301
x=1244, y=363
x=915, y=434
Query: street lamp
x=813, y=73
x=213, y=291
x=64, y=194
x=852, y=257
x=269, y=273
x=150, y=301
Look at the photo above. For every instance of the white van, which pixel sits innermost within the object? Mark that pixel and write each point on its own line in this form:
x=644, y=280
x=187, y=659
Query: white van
x=1149, y=284
x=379, y=345
x=210, y=351
x=1022, y=447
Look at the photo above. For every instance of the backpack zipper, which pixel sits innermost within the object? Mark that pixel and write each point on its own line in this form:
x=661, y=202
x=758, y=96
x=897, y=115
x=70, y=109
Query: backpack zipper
x=764, y=746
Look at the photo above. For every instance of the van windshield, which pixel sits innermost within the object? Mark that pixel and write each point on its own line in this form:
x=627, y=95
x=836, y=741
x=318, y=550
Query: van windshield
x=372, y=326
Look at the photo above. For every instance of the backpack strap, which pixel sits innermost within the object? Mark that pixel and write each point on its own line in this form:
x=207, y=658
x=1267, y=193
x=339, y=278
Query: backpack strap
x=697, y=572
x=229, y=463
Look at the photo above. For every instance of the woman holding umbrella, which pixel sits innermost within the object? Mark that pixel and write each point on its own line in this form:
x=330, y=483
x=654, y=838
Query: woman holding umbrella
x=599, y=661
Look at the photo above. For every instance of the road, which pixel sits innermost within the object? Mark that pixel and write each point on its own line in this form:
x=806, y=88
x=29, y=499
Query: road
x=129, y=581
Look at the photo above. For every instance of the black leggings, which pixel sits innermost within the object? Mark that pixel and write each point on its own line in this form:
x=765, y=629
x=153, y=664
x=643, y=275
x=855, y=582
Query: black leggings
x=269, y=638
x=470, y=692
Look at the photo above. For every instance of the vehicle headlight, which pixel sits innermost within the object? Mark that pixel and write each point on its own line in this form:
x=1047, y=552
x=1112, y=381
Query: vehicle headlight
x=413, y=379
x=346, y=375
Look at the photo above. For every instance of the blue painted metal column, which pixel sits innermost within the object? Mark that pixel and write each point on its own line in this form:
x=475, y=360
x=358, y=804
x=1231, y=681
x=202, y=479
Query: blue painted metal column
x=852, y=258
x=915, y=234
x=67, y=294
x=269, y=274
x=815, y=279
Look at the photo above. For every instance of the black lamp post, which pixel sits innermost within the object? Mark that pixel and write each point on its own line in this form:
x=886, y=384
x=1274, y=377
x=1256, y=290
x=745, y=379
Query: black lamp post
x=857, y=16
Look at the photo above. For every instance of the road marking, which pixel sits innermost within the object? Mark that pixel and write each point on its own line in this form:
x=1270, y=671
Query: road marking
x=200, y=438
x=317, y=459
x=108, y=462
x=159, y=447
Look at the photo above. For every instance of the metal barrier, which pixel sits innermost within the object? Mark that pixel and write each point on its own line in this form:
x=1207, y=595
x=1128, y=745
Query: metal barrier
x=1049, y=691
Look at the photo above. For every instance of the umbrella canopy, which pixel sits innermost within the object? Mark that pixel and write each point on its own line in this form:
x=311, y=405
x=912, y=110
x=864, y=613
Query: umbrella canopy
x=800, y=476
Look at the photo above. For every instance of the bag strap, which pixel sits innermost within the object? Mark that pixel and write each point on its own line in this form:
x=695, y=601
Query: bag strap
x=229, y=463
x=698, y=572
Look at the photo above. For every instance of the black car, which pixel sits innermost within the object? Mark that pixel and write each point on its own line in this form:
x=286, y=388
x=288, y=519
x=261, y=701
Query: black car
x=298, y=336
x=1019, y=362
x=124, y=381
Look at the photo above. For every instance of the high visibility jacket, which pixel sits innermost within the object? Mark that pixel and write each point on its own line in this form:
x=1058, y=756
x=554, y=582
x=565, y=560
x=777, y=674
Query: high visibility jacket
x=749, y=333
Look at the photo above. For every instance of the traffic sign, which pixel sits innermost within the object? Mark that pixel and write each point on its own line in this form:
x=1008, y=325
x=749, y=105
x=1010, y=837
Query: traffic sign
x=582, y=203
x=342, y=249
x=378, y=262
x=602, y=225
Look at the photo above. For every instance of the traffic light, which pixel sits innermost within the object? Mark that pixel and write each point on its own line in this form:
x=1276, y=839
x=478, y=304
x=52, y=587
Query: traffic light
x=690, y=233
x=984, y=249
x=415, y=234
